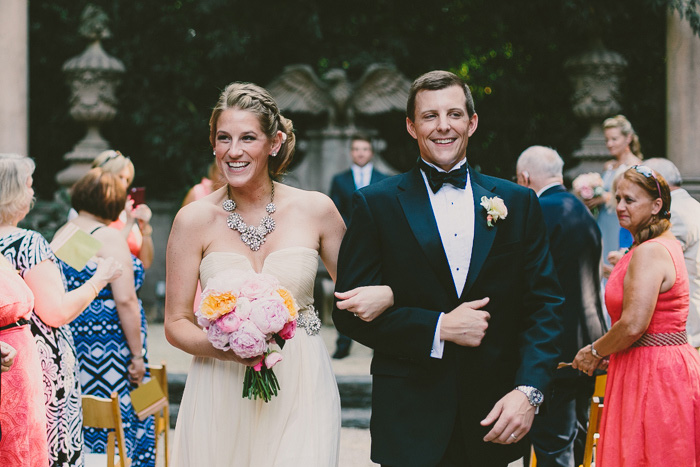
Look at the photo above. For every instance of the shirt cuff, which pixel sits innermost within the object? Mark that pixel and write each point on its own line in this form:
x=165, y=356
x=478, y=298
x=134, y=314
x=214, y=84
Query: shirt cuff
x=438, y=345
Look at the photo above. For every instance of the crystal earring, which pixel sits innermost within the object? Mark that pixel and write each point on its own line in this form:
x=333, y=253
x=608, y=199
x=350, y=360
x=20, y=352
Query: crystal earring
x=273, y=153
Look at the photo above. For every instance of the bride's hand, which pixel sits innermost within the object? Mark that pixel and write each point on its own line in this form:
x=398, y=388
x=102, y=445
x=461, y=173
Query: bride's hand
x=368, y=302
x=229, y=355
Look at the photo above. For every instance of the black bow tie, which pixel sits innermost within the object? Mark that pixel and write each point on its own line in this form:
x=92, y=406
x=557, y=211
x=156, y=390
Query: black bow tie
x=456, y=177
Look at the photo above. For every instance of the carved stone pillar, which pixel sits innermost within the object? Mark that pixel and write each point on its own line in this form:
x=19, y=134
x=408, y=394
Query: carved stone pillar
x=14, y=64
x=683, y=101
x=596, y=78
x=93, y=77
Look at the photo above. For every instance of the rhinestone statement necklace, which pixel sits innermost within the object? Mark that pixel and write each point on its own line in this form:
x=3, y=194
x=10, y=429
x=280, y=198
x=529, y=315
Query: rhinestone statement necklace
x=252, y=236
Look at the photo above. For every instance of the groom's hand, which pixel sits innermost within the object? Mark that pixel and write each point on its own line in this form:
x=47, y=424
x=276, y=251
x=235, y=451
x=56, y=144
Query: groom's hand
x=466, y=325
x=513, y=415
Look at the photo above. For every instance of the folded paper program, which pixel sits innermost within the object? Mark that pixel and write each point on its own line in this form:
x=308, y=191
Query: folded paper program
x=75, y=247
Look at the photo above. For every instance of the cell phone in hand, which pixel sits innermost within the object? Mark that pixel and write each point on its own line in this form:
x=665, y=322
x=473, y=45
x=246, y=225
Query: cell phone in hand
x=138, y=195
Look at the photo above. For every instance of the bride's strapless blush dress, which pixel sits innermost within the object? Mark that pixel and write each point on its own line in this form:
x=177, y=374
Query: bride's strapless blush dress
x=298, y=427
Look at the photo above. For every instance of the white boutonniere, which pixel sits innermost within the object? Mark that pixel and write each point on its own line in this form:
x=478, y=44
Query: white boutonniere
x=495, y=209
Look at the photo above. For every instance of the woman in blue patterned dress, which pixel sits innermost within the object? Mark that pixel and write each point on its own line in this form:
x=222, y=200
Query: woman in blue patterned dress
x=31, y=255
x=110, y=334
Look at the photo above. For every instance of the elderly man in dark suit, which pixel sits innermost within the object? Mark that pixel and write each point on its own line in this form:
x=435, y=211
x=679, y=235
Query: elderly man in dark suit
x=559, y=434
x=462, y=359
x=360, y=174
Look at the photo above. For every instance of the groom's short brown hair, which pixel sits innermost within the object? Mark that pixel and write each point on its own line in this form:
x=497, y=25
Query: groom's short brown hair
x=434, y=81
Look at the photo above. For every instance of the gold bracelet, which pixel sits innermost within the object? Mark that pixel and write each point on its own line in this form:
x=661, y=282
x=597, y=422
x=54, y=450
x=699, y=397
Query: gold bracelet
x=94, y=287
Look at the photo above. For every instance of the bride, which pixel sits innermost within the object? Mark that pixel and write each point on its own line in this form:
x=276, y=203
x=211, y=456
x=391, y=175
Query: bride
x=253, y=144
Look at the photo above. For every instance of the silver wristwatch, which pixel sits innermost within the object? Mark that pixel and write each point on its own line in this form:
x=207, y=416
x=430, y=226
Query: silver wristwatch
x=534, y=395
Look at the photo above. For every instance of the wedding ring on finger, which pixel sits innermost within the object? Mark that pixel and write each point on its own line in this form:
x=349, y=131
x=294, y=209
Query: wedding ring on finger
x=514, y=436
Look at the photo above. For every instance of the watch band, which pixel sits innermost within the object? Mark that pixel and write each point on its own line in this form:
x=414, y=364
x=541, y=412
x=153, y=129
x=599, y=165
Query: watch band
x=594, y=352
x=534, y=395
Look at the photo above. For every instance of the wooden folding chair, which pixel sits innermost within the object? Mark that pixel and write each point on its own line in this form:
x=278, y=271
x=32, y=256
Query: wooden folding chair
x=100, y=412
x=533, y=459
x=593, y=434
x=162, y=417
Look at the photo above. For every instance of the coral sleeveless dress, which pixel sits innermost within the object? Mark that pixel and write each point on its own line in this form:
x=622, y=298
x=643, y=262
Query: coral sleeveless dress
x=652, y=399
x=22, y=410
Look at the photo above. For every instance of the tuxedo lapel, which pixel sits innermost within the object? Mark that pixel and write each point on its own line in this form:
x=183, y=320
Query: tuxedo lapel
x=415, y=203
x=483, y=234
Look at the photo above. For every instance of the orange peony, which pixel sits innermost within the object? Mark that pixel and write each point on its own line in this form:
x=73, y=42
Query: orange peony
x=289, y=302
x=217, y=305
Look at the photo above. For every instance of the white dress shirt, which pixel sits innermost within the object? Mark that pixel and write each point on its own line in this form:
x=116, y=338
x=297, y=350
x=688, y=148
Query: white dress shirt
x=362, y=175
x=453, y=209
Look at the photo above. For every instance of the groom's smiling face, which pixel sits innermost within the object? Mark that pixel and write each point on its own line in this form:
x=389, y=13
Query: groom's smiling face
x=442, y=126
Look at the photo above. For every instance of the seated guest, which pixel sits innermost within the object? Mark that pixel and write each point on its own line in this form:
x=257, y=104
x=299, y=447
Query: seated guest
x=110, y=334
x=652, y=396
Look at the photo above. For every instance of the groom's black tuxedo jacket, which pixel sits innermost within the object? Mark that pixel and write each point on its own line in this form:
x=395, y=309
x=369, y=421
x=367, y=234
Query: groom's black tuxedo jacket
x=393, y=240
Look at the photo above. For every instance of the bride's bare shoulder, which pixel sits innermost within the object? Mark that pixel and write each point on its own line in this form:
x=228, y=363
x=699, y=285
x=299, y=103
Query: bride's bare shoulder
x=199, y=213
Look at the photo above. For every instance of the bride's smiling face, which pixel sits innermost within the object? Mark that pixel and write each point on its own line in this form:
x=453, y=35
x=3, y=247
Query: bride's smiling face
x=241, y=147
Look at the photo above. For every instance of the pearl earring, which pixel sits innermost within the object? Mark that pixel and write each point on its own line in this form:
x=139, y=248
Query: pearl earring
x=273, y=153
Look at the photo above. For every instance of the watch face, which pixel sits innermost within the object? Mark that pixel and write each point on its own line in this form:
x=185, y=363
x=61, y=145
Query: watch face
x=536, y=397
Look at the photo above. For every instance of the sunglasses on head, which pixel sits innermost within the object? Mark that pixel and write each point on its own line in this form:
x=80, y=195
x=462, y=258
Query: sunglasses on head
x=113, y=155
x=648, y=173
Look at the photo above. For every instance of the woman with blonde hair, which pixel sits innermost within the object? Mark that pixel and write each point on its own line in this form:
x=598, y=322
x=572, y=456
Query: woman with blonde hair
x=253, y=145
x=652, y=396
x=54, y=308
x=623, y=144
x=134, y=220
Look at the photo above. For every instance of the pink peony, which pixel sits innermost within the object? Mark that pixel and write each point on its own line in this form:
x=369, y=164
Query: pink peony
x=259, y=286
x=248, y=341
x=243, y=307
x=218, y=338
x=228, y=323
x=288, y=330
x=273, y=359
x=586, y=192
x=203, y=322
x=269, y=315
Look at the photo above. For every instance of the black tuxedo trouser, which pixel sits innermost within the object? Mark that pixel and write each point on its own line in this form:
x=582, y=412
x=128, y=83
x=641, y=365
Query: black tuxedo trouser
x=456, y=453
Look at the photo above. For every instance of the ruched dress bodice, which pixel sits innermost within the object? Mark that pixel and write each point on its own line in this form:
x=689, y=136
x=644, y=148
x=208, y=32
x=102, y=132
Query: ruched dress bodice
x=216, y=426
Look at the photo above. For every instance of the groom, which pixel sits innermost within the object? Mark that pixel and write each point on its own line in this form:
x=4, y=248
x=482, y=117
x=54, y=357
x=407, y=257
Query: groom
x=463, y=358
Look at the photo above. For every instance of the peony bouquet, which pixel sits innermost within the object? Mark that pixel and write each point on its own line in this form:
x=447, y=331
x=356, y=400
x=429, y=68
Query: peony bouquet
x=588, y=186
x=246, y=314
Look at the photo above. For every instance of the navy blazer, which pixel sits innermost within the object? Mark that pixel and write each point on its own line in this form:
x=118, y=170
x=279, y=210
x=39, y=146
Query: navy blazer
x=576, y=247
x=393, y=240
x=342, y=188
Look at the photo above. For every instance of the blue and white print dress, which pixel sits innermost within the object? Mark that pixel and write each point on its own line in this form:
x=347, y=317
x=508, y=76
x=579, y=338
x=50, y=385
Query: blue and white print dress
x=104, y=358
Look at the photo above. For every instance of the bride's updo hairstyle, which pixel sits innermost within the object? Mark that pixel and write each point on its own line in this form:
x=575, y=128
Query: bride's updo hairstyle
x=647, y=179
x=253, y=98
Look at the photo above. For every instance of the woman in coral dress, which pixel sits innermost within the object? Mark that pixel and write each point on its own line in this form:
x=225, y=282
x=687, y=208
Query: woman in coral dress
x=652, y=399
x=22, y=410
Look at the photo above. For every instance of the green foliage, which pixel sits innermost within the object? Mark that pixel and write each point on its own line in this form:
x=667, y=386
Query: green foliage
x=180, y=53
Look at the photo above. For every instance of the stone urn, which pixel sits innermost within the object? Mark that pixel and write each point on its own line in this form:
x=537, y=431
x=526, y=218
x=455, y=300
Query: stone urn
x=93, y=77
